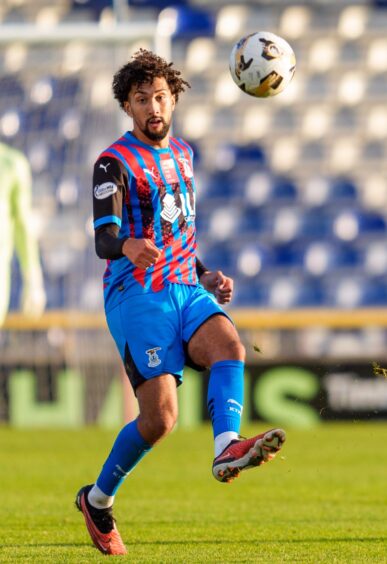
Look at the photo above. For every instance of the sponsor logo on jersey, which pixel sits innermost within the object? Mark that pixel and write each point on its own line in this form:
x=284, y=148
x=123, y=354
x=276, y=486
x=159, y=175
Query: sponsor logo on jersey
x=169, y=170
x=188, y=210
x=170, y=210
x=153, y=359
x=102, y=191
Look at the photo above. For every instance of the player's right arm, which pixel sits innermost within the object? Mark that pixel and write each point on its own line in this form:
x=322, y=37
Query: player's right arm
x=110, y=183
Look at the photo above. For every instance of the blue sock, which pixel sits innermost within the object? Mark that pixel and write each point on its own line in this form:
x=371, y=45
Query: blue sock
x=225, y=395
x=127, y=451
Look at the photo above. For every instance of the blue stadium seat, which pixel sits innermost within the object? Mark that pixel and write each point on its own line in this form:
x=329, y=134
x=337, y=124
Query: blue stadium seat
x=355, y=291
x=369, y=222
x=218, y=257
x=89, y=9
x=42, y=118
x=219, y=185
x=159, y=4
x=373, y=150
x=249, y=293
x=322, y=257
x=345, y=118
x=317, y=86
x=193, y=22
x=294, y=291
x=379, y=4
x=11, y=88
x=313, y=151
x=294, y=223
x=342, y=189
x=284, y=189
x=231, y=156
x=67, y=87
x=288, y=255
x=376, y=85
x=254, y=258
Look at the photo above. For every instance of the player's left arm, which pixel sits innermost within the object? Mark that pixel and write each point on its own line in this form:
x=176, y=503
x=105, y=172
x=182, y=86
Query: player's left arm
x=215, y=282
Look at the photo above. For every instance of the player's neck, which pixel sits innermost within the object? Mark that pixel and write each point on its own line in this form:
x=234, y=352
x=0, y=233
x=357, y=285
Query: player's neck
x=162, y=144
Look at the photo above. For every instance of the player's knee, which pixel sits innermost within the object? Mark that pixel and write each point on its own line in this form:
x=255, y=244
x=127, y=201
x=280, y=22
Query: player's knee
x=165, y=424
x=235, y=350
x=158, y=425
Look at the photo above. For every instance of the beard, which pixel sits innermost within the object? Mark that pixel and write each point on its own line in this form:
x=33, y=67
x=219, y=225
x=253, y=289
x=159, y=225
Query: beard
x=157, y=135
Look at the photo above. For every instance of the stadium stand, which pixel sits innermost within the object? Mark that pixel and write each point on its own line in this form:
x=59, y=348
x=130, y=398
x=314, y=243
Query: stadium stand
x=292, y=191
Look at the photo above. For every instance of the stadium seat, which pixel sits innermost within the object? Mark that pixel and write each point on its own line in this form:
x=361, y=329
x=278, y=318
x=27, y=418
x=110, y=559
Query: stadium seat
x=186, y=22
x=288, y=256
x=254, y=258
x=11, y=88
x=348, y=225
x=322, y=257
x=291, y=292
x=291, y=223
x=67, y=87
x=345, y=119
x=342, y=190
x=312, y=151
x=317, y=86
x=89, y=9
x=231, y=156
x=355, y=291
x=262, y=187
x=159, y=4
x=250, y=293
x=374, y=255
x=219, y=257
x=374, y=151
x=293, y=185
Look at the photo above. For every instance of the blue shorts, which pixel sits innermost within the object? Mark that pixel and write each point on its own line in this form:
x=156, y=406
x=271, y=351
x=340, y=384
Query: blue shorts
x=152, y=330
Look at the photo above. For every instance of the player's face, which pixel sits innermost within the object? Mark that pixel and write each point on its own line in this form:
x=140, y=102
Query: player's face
x=150, y=105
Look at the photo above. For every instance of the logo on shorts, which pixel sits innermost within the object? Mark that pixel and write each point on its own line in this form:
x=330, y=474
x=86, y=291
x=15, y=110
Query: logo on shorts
x=153, y=359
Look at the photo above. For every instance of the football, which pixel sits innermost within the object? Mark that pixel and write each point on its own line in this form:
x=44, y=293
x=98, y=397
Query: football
x=262, y=64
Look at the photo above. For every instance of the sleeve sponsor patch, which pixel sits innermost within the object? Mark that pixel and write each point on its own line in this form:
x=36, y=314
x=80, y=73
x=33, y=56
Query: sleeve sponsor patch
x=102, y=191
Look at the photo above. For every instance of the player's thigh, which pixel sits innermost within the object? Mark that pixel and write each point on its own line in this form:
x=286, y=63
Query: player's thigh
x=147, y=333
x=215, y=340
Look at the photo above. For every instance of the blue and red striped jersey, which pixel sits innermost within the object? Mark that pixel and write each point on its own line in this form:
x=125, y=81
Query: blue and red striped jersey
x=149, y=193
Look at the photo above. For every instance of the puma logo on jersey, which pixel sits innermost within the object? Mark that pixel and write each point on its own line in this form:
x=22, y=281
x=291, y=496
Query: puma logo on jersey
x=104, y=166
x=151, y=172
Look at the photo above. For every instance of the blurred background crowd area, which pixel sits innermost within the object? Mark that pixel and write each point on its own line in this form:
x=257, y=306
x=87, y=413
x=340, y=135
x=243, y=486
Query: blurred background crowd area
x=292, y=190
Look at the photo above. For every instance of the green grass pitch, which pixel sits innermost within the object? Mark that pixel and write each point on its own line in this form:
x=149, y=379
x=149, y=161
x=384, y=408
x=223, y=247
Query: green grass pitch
x=323, y=499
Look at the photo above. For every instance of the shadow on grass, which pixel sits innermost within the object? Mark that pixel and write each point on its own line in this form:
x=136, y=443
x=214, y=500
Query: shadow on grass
x=203, y=542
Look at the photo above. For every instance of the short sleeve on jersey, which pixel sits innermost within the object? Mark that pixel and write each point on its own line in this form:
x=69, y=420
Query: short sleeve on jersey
x=109, y=188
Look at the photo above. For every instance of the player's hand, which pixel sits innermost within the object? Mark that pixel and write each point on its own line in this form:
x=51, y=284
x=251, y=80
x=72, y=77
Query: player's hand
x=143, y=253
x=218, y=284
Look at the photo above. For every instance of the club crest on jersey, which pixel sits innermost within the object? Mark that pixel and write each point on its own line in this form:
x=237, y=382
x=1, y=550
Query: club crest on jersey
x=170, y=210
x=153, y=359
x=186, y=166
x=102, y=191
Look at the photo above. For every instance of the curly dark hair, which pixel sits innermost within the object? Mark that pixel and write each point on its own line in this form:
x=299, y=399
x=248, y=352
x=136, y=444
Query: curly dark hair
x=144, y=67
